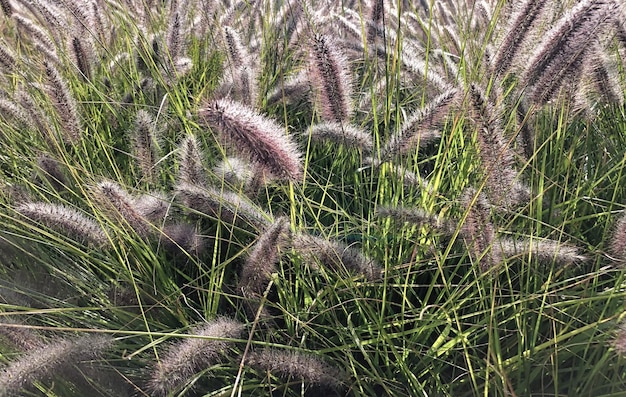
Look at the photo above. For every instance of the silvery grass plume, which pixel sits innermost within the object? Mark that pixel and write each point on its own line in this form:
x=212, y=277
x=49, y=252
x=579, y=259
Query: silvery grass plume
x=418, y=217
x=601, y=81
x=422, y=127
x=121, y=207
x=334, y=255
x=223, y=205
x=144, y=144
x=38, y=37
x=49, y=168
x=376, y=18
x=257, y=270
x=424, y=71
x=37, y=119
x=292, y=365
x=294, y=90
x=477, y=230
x=66, y=220
x=543, y=250
x=183, y=238
x=7, y=58
x=181, y=360
x=497, y=159
x=10, y=110
x=342, y=134
x=330, y=77
x=64, y=104
x=60, y=358
x=190, y=162
x=241, y=70
x=82, y=56
x=153, y=207
x=562, y=51
x=237, y=173
x=257, y=137
x=23, y=338
x=617, y=244
x=619, y=341
x=523, y=18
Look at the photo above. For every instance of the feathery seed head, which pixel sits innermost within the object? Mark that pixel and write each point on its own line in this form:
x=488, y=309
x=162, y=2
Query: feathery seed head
x=478, y=230
x=329, y=74
x=182, y=237
x=261, y=262
x=619, y=342
x=226, y=206
x=118, y=204
x=305, y=367
x=64, y=104
x=183, y=359
x=44, y=363
x=235, y=171
x=65, y=220
x=52, y=172
x=346, y=134
x=144, y=144
x=617, y=245
x=191, y=170
x=334, y=255
x=544, y=250
x=258, y=137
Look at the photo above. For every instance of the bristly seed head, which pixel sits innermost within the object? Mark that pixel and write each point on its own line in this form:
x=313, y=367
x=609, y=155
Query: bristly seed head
x=258, y=137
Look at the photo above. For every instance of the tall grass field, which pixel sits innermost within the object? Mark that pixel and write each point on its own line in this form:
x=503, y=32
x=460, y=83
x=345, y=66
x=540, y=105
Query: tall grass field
x=312, y=198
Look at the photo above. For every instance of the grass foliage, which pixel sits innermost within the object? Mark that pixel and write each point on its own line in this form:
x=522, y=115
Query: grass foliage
x=355, y=198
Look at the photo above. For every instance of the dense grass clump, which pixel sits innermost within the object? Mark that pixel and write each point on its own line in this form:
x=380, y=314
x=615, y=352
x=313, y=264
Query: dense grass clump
x=357, y=198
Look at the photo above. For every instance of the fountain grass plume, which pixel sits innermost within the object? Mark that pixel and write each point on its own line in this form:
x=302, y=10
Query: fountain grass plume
x=174, y=39
x=292, y=365
x=64, y=104
x=564, y=47
x=23, y=338
x=57, y=358
x=261, y=263
x=153, y=207
x=619, y=341
x=236, y=172
x=334, y=255
x=144, y=144
x=496, y=157
x=330, y=76
x=617, y=244
x=545, y=251
x=190, y=167
x=182, y=237
x=343, y=134
x=183, y=359
x=292, y=91
x=81, y=57
x=255, y=136
x=422, y=127
x=522, y=20
x=478, y=231
x=376, y=15
x=51, y=171
x=223, y=205
x=7, y=58
x=121, y=207
x=66, y=220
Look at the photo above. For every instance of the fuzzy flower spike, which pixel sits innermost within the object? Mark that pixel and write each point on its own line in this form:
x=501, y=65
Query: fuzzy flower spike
x=258, y=137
